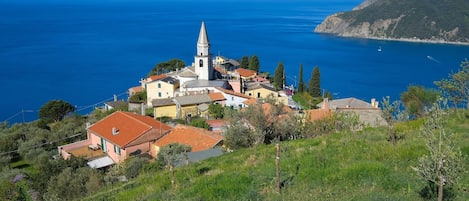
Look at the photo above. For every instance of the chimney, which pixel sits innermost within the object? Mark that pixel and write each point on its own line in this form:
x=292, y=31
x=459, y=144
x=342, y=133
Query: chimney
x=325, y=104
x=115, y=131
x=115, y=98
x=374, y=103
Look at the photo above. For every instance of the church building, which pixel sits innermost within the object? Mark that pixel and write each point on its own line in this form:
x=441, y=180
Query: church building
x=203, y=59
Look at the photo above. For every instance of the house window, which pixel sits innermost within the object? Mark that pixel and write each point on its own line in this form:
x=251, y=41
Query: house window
x=250, y=94
x=159, y=94
x=159, y=85
x=103, y=145
x=117, y=150
x=232, y=98
x=201, y=63
x=258, y=94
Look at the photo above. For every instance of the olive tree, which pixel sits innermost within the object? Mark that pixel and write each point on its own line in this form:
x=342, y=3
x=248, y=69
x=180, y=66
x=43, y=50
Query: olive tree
x=172, y=153
x=456, y=86
x=442, y=166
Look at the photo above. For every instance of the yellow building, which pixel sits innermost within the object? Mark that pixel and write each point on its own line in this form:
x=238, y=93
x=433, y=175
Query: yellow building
x=164, y=108
x=161, y=89
x=263, y=91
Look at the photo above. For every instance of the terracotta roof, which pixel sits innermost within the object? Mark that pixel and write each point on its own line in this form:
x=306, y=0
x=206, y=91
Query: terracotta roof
x=226, y=91
x=245, y=72
x=198, y=138
x=131, y=128
x=157, y=77
x=217, y=96
x=216, y=123
x=250, y=101
x=136, y=89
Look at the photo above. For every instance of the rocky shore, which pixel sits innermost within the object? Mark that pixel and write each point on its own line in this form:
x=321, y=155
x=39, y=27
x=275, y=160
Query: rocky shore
x=375, y=26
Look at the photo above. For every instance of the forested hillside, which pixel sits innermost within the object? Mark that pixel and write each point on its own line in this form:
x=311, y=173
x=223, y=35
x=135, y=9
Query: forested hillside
x=436, y=20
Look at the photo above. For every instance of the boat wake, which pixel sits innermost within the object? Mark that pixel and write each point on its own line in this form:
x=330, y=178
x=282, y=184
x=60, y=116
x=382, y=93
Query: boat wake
x=433, y=59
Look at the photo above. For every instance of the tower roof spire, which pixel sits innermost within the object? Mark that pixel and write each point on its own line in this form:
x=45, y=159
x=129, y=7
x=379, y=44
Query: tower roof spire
x=203, y=38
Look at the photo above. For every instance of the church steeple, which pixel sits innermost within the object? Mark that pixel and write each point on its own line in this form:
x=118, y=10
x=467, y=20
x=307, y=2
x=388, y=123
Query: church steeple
x=203, y=38
x=203, y=58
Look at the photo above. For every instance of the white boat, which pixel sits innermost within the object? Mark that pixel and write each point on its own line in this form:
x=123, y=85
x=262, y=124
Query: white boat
x=379, y=49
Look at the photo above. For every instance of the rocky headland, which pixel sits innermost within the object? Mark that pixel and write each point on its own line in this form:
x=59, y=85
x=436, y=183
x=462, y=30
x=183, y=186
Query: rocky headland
x=411, y=20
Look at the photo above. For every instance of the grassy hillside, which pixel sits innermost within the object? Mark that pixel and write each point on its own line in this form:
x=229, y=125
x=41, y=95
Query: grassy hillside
x=342, y=166
x=421, y=18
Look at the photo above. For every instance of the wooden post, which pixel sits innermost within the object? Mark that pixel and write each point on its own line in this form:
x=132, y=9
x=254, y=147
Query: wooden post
x=171, y=169
x=277, y=167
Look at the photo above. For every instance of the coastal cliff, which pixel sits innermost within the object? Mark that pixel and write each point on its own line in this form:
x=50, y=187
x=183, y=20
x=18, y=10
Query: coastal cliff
x=414, y=20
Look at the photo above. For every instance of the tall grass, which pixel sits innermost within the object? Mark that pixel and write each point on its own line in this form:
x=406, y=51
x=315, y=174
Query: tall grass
x=341, y=166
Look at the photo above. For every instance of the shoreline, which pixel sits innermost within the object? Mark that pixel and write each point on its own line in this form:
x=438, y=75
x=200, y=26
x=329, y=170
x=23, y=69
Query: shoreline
x=410, y=40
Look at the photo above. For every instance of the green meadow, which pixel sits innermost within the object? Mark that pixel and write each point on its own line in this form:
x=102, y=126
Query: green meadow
x=341, y=166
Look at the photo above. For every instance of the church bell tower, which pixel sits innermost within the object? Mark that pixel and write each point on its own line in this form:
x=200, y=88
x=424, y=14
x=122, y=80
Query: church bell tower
x=203, y=59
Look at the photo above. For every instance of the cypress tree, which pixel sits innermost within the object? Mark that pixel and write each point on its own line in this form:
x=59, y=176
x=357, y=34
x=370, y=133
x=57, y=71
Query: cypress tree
x=314, y=85
x=254, y=63
x=279, y=77
x=301, y=84
x=245, y=62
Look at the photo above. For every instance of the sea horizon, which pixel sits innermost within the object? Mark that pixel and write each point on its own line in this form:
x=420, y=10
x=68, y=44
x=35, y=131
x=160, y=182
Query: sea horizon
x=86, y=53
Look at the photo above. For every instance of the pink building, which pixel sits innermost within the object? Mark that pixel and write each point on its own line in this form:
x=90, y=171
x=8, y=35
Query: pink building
x=116, y=137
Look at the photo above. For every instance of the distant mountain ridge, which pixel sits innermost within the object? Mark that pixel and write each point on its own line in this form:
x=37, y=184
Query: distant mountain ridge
x=417, y=20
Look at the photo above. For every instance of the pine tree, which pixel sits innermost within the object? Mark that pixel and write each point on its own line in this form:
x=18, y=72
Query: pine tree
x=279, y=77
x=244, y=62
x=254, y=63
x=314, y=85
x=301, y=84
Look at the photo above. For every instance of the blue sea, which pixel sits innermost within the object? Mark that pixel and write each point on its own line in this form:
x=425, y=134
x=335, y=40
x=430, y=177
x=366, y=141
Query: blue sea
x=86, y=51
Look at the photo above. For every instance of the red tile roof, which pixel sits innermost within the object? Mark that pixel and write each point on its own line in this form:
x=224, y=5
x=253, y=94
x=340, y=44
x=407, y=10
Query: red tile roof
x=197, y=138
x=216, y=123
x=245, y=72
x=250, y=101
x=157, y=77
x=217, y=96
x=132, y=128
x=136, y=89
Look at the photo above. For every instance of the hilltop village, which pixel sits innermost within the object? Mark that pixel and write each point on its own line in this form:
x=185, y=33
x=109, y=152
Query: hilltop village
x=188, y=93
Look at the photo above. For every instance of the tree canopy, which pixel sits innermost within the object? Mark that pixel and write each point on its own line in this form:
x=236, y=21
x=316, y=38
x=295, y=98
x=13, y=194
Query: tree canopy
x=167, y=66
x=254, y=63
x=417, y=98
x=301, y=84
x=279, y=77
x=456, y=87
x=55, y=110
x=314, y=84
x=244, y=62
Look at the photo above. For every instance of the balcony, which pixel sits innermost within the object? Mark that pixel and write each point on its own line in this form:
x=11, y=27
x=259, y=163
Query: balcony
x=82, y=149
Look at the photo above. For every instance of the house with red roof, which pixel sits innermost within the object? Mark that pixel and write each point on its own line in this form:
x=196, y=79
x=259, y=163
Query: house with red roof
x=198, y=139
x=115, y=138
x=246, y=74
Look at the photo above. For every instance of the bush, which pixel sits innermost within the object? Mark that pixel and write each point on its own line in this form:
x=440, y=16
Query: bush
x=133, y=166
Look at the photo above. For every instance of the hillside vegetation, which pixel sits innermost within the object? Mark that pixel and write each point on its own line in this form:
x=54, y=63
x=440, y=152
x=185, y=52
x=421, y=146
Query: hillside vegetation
x=340, y=166
x=438, y=20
